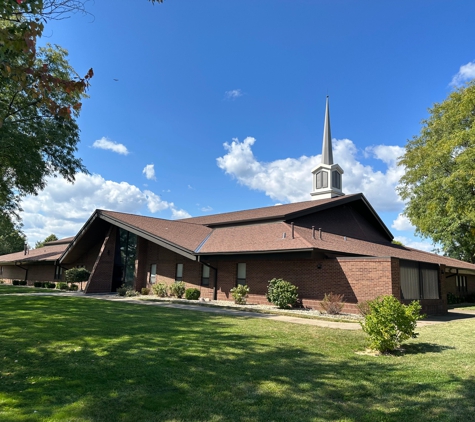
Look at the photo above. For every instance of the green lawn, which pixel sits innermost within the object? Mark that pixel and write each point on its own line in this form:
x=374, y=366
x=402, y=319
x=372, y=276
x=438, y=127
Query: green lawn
x=77, y=359
x=9, y=289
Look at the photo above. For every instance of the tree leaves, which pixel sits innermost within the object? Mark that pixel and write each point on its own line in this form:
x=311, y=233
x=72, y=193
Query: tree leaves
x=439, y=183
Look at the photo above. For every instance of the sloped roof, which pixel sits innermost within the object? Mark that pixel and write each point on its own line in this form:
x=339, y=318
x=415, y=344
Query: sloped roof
x=264, y=230
x=278, y=212
x=48, y=253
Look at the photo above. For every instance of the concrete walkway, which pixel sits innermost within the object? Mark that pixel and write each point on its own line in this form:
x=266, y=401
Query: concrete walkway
x=453, y=314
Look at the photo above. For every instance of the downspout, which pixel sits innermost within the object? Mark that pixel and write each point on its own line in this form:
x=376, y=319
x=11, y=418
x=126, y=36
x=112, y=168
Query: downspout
x=26, y=270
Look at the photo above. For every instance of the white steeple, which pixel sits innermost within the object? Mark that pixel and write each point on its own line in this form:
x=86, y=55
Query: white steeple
x=327, y=176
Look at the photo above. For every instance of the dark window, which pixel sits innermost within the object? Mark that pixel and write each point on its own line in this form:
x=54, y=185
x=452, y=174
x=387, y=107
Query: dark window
x=58, y=271
x=461, y=283
x=179, y=272
x=205, y=275
x=336, y=179
x=419, y=280
x=241, y=273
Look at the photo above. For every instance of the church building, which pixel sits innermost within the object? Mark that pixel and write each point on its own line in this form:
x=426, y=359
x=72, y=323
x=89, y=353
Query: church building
x=333, y=243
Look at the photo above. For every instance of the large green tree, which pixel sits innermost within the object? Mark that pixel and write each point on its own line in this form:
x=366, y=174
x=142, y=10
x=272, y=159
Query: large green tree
x=439, y=181
x=11, y=237
x=40, y=99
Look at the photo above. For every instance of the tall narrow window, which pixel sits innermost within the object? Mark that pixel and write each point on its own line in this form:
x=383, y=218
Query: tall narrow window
x=241, y=273
x=321, y=179
x=205, y=276
x=179, y=272
x=153, y=273
x=461, y=282
x=336, y=179
x=57, y=272
x=1, y=269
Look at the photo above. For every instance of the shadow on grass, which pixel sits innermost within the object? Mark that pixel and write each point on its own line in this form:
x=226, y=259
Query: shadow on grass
x=422, y=348
x=81, y=359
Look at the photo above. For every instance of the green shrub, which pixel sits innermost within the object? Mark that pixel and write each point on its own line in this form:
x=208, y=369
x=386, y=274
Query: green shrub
x=73, y=287
x=76, y=275
x=389, y=322
x=160, y=289
x=122, y=291
x=23, y=283
x=131, y=292
x=281, y=293
x=16, y=282
x=145, y=291
x=37, y=284
x=192, y=294
x=470, y=298
x=2, y=281
x=239, y=294
x=62, y=285
x=332, y=303
x=453, y=300
x=50, y=285
x=178, y=289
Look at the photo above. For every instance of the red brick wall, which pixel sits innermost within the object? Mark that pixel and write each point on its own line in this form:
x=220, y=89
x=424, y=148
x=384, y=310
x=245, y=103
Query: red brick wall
x=36, y=272
x=100, y=280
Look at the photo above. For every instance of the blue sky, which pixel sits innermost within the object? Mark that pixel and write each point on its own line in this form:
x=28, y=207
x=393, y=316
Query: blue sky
x=201, y=107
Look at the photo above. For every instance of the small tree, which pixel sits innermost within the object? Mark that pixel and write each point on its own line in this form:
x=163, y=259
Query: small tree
x=332, y=303
x=389, y=322
x=178, y=289
x=281, y=293
x=76, y=275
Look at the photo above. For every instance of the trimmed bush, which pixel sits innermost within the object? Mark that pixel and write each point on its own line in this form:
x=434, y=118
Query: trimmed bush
x=239, y=294
x=131, y=292
x=16, y=282
x=332, y=303
x=122, y=291
x=73, y=287
x=23, y=283
x=389, y=322
x=62, y=286
x=2, y=281
x=192, y=294
x=145, y=291
x=281, y=293
x=160, y=289
x=37, y=284
x=76, y=275
x=178, y=289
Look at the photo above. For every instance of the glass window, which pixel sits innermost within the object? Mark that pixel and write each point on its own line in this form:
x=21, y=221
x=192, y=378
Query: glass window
x=179, y=272
x=419, y=280
x=461, y=282
x=336, y=179
x=57, y=272
x=153, y=273
x=241, y=273
x=205, y=276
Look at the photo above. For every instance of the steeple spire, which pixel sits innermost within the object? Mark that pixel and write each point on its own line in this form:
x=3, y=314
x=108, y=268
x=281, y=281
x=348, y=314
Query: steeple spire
x=327, y=153
x=327, y=181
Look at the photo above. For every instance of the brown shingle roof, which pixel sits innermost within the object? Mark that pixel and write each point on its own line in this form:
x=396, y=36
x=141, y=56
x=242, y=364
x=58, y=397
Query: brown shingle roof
x=185, y=235
x=274, y=212
x=44, y=254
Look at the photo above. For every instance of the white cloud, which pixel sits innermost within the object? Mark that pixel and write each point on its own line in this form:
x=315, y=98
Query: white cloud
x=206, y=209
x=410, y=243
x=107, y=144
x=402, y=223
x=465, y=73
x=233, y=94
x=149, y=172
x=290, y=180
x=62, y=208
x=177, y=214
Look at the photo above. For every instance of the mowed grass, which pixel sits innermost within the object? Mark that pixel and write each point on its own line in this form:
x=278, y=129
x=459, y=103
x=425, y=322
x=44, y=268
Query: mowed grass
x=78, y=359
x=6, y=289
